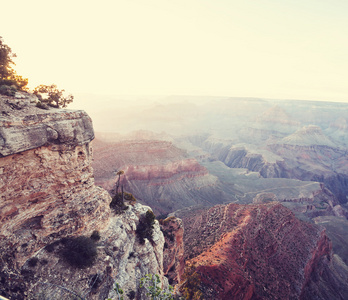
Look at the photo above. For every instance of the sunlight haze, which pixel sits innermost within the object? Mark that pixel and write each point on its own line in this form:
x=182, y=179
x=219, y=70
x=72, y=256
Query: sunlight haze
x=270, y=49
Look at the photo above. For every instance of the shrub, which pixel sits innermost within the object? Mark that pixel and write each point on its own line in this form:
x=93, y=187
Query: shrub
x=52, y=96
x=129, y=197
x=95, y=235
x=79, y=252
x=117, y=204
x=145, y=227
x=8, y=90
x=191, y=287
x=32, y=262
x=151, y=284
x=131, y=295
x=41, y=105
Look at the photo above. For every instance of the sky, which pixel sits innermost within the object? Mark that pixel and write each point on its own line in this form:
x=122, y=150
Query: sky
x=247, y=48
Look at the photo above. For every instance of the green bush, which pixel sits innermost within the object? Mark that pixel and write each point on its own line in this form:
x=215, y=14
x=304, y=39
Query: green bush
x=129, y=197
x=145, y=227
x=117, y=204
x=8, y=90
x=80, y=252
x=52, y=96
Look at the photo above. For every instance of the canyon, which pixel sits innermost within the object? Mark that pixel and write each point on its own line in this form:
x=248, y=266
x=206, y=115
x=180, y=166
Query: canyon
x=249, y=207
x=258, y=151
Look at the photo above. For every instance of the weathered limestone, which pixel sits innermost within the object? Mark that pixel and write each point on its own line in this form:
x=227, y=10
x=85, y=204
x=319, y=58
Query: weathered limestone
x=23, y=126
x=47, y=193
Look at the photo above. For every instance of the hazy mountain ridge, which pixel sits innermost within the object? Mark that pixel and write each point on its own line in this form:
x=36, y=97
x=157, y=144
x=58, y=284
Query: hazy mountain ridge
x=258, y=152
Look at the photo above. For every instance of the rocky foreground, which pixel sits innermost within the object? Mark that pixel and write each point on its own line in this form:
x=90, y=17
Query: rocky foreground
x=48, y=195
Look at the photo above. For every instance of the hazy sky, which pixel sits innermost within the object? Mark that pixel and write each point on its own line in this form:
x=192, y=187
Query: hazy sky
x=295, y=49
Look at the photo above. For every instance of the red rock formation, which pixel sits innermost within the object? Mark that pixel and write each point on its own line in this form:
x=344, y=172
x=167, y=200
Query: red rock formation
x=252, y=251
x=173, y=254
x=155, y=172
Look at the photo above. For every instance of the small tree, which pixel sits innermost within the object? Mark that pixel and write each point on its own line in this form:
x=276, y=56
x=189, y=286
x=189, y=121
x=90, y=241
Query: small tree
x=8, y=75
x=52, y=96
x=119, y=173
x=145, y=227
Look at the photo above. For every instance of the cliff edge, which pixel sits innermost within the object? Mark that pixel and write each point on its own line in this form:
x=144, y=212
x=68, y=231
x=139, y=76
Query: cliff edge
x=48, y=195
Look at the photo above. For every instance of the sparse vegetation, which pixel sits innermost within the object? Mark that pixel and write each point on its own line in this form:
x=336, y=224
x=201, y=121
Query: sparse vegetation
x=191, y=284
x=80, y=252
x=95, y=236
x=119, y=292
x=130, y=198
x=166, y=221
x=117, y=204
x=32, y=262
x=145, y=227
x=10, y=82
x=8, y=90
x=151, y=283
x=52, y=96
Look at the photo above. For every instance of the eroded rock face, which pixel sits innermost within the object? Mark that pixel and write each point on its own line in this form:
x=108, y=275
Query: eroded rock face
x=121, y=259
x=47, y=193
x=173, y=254
x=24, y=126
x=259, y=252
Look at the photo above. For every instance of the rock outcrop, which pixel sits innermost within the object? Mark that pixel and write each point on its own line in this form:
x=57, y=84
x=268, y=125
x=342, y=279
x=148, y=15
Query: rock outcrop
x=259, y=252
x=23, y=126
x=173, y=266
x=47, y=194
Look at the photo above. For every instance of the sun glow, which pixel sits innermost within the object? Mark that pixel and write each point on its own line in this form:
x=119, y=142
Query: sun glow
x=272, y=49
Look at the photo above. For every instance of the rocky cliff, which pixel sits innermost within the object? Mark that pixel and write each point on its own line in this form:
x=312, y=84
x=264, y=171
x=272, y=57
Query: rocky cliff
x=174, y=263
x=259, y=252
x=47, y=194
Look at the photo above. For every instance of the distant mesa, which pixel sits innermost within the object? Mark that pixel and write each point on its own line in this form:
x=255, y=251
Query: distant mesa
x=276, y=115
x=308, y=136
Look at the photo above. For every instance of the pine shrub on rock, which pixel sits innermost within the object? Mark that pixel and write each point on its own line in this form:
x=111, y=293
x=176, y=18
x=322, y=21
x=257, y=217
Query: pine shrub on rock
x=80, y=252
x=117, y=204
x=145, y=227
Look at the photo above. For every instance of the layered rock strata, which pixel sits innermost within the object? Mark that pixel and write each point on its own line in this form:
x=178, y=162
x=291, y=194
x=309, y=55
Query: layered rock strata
x=155, y=172
x=47, y=194
x=173, y=266
x=260, y=252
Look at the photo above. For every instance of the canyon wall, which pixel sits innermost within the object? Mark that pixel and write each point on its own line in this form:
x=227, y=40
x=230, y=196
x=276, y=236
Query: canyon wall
x=156, y=172
x=259, y=252
x=319, y=163
x=47, y=194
